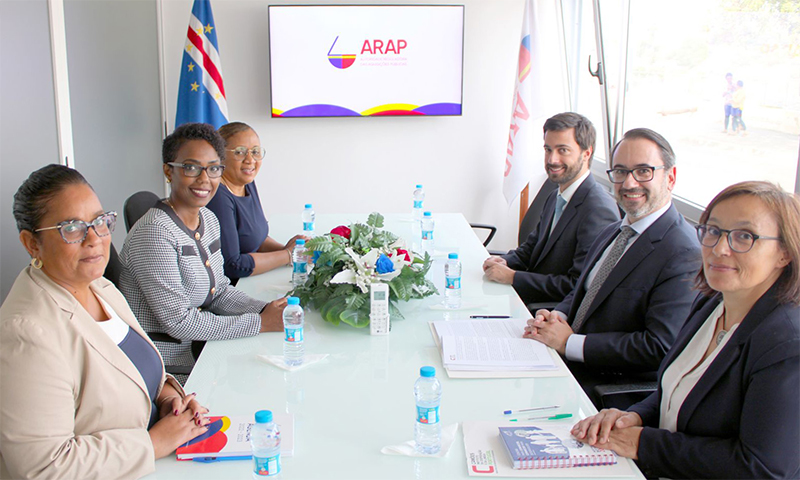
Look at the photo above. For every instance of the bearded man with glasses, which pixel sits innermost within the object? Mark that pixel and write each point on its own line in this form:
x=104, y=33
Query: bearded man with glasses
x=635, y=292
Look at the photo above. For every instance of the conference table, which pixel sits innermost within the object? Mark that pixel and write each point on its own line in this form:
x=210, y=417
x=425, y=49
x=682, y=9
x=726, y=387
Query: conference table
x=359, y=399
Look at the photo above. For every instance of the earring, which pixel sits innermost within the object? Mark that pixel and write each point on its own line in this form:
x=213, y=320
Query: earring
x=169, y=180
x=36, y=263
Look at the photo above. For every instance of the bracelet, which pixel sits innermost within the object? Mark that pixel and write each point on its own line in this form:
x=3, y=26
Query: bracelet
x=290, y=255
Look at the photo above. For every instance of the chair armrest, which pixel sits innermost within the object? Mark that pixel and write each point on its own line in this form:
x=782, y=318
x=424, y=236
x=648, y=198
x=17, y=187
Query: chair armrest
x=178, y=369
x=623, y=395
x=541, y=305
x=492, y=230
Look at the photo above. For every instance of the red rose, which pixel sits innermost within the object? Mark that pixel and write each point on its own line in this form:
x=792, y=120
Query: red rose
x=400, y=251
x=342, y=231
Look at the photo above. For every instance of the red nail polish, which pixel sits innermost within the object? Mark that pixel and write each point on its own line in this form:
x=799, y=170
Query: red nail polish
x=176, y=412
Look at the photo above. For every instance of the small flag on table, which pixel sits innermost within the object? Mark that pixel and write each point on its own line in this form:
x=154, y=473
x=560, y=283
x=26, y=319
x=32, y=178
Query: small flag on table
x=201, y=93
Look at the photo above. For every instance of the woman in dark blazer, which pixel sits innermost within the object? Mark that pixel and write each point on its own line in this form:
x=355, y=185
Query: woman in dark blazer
x=727, y=401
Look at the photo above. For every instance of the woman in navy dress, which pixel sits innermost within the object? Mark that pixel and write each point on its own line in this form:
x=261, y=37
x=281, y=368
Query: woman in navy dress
x=246, y=245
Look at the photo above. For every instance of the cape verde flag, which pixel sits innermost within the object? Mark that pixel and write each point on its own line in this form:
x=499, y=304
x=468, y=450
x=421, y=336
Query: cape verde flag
x=201, y=93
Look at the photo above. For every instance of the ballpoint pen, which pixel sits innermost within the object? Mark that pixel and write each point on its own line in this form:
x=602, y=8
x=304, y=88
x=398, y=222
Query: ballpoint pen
x=220, y=459
x=513, y=412
x=490, y=316
x=554, y=417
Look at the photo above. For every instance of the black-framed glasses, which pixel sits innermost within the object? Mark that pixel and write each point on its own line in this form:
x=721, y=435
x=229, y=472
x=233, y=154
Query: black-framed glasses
x=75, y=231
x=740, y=241
x=193, y=170
x=240, y=153
x=640, y=174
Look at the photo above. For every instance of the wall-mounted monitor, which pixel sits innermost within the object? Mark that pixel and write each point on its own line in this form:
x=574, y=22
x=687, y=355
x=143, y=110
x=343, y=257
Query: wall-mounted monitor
x=366, y=60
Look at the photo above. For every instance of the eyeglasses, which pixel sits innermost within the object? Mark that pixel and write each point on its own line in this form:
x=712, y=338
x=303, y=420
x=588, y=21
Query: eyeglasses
x=193, y=170
x=240, y=153
x=640, y=174
x=75, y=231
x=740, y=241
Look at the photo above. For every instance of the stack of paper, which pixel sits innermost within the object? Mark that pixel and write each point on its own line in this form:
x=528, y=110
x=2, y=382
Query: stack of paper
x=490, y=345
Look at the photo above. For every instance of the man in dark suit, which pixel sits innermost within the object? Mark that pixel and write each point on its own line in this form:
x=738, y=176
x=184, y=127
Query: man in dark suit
x=636, y=289
x=546, y=267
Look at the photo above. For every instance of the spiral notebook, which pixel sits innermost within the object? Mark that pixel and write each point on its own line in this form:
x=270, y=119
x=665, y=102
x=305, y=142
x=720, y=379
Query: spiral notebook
x=550, y=446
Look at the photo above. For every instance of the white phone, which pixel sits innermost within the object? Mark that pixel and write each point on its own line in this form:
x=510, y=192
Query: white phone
x=379, y=323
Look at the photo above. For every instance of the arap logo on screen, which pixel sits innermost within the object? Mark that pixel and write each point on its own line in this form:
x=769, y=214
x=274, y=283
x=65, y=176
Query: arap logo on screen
x=378, y=47
x=340, y=60
x=372, y=47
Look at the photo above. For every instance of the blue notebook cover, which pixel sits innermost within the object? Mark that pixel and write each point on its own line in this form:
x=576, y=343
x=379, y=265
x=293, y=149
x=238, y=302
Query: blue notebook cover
x=550, y=447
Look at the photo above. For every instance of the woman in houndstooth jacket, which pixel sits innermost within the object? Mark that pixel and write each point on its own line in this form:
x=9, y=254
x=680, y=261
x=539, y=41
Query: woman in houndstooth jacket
x=172, y=273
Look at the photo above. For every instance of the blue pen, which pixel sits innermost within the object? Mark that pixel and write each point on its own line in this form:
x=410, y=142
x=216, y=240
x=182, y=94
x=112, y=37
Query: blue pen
x=220, y=459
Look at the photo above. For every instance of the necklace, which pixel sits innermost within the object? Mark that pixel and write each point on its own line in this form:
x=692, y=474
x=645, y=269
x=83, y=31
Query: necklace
x=168, y=201
x=722, y=332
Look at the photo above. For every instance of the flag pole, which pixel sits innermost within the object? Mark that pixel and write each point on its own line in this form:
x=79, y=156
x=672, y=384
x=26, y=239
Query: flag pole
x=523, y=202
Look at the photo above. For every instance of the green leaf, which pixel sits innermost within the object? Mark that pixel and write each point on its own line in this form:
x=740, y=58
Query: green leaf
x=394, y=312
x=375, y=219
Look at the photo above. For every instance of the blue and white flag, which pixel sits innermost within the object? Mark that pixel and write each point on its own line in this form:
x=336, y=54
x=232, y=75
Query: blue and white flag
x=201, y=93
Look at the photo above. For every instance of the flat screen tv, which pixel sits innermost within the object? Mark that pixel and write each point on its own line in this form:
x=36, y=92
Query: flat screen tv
x=365, y=60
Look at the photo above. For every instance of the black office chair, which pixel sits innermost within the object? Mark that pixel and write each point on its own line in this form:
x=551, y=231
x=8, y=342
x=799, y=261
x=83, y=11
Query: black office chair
x=114, y=267
x=528, y=222
x=136, y=205
x=623, y=395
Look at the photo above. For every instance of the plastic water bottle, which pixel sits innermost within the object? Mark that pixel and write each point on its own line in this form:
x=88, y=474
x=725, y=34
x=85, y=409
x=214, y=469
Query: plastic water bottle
x=419, y=197
x=428, y=428
x=299, y=263
x=293, y=348
x=427, y=233
x=308, y=220
x=265, y=442
x=452, y=287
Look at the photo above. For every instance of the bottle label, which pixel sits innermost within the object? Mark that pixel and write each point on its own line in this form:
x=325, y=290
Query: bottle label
x=267, y=467
x=452, y=283
x=427, y=234
x=417, y=203
x=308, y=226
x=300, y=267
x=293, y=334
x=428, y=415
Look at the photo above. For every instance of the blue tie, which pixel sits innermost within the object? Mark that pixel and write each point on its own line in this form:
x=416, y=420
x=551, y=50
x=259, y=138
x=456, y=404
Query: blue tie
x=560, y=204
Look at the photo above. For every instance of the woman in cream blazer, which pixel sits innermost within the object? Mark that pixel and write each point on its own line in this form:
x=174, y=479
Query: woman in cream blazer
x=73, y=404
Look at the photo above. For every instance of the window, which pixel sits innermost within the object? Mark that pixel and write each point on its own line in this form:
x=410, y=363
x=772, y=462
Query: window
x=679, y=53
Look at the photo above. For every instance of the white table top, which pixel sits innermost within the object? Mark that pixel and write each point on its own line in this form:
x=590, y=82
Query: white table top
x=360, y=398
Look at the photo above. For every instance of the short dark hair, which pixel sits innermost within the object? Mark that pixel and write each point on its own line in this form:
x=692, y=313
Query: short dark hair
x=30, y=201
x=786, y=209
x=233, y=128
x=667, y=154
x=585, y=135
x=188, y=132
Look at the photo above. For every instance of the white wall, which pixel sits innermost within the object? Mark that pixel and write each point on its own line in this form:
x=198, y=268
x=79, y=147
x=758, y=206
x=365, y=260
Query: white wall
x=366, y=164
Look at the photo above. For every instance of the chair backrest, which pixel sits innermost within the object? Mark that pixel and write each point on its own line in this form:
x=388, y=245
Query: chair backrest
x=114, y=267
x=136, y=205
x=535, y=211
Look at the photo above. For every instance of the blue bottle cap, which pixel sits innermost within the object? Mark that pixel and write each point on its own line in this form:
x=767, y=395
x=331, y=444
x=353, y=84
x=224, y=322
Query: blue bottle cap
x=263, y=416
x=300, y=241
x=452, y=256
x=426, y=214
x=293, y=301
x=308, y=205
x=427, y=372
x=419, y=186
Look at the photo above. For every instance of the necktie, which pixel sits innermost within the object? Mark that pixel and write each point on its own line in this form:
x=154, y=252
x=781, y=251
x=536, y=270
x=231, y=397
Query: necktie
x=560, y=204
x=602, y=274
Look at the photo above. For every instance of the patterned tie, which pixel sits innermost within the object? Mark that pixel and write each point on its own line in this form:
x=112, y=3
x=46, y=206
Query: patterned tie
x=560, y=204
x=602, y=274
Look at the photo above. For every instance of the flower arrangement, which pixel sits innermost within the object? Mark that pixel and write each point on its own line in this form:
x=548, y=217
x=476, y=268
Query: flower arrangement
x=348, y=259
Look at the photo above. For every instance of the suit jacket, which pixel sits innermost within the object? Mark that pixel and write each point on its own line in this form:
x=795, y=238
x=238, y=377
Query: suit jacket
x=73, y=404
x=547, y=266
x=644, y=302
x=742, y=419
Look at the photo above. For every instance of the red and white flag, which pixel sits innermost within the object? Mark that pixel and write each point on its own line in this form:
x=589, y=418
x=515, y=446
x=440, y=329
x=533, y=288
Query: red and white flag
x=539, y=93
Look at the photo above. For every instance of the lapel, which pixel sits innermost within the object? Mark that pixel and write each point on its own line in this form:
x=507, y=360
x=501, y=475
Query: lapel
x=641, y=248
x=570, y=211
x=730, y=353
x=545, y=222
x=87, y=327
